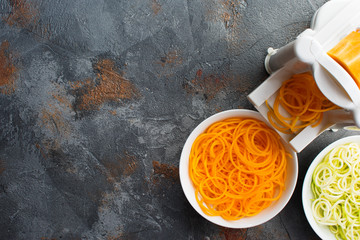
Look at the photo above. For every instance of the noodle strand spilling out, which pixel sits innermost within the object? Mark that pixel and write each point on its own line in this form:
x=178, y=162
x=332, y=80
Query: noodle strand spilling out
x=301, y=98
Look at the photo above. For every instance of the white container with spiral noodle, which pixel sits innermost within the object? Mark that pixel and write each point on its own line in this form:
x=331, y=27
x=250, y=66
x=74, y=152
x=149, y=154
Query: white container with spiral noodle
x=331, y=190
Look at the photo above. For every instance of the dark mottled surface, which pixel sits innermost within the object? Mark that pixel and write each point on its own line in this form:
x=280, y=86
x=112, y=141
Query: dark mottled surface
x=84, y=157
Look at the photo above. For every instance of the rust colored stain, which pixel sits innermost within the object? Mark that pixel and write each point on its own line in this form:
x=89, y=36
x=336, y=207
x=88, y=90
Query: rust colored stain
x=208, y=85
x=79, y=85
x=230, y=13
x=113, y=112
x=62, y=100
x=46, y=146
x=2, y=166
x=233, y=234
x=165, y=171
x=52, y=119
x=123, y=166
x=199, y=73
x=156, y=7
x=231, y=18
x=171, y=59
x=168, y=62
x=130, y=164
x=42, y=152
x=109, y=86
x=120, y=236
x=23, y=14
x=244, y=84
x=8, y=71
x=105, y=201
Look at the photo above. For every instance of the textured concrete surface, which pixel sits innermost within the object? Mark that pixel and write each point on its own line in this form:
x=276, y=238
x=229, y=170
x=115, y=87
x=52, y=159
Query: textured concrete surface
x=97, y=98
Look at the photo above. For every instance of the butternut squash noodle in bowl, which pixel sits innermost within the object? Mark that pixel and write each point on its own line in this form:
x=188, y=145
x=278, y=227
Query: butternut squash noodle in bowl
x=236, y=171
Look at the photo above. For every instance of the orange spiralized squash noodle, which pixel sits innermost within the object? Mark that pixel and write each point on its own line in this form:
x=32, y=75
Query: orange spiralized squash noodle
x=301, y=98
x=238, y=168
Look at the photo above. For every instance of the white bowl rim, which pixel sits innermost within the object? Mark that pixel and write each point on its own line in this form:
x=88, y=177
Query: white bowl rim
x=322, y=231
x=189, y=190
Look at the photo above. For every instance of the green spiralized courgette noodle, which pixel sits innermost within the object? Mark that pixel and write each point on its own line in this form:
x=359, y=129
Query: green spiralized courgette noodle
x=336, y=188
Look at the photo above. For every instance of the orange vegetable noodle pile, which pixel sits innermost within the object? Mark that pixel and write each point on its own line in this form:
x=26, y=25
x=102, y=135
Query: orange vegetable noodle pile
x=238, y=168
x=301, y=98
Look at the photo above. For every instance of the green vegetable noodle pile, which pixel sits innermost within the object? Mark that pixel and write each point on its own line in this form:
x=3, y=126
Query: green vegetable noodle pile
x=336, y=188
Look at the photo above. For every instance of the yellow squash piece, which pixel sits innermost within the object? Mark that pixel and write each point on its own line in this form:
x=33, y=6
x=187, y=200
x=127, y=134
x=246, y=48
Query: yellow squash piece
x=347, y=54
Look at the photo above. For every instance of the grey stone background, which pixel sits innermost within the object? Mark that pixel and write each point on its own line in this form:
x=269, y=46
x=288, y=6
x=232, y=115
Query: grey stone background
x=97, y=98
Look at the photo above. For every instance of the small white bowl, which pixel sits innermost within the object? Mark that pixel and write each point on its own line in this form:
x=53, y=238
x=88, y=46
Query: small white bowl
x=246, y=222
x=321, y=230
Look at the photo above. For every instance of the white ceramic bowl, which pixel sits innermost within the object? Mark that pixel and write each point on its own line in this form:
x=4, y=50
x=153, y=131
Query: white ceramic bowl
x=321, y=230
x=246, y=222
